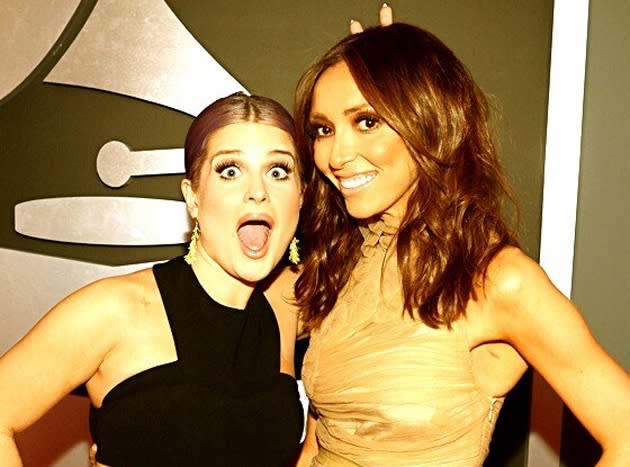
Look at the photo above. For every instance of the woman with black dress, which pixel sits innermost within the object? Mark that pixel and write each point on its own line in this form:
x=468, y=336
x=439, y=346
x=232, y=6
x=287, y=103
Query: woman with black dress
x=186, y=363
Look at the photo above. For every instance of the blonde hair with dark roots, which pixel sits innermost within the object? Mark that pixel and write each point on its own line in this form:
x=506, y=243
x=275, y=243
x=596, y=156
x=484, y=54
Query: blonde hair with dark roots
x=454, y=223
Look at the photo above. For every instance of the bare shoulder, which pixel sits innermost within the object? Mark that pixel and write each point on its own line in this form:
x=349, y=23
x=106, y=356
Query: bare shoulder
x=516, y=284
x=512, y=275
x=517, y=294
x=134, y=285
x=520, y=301
x=114, y=297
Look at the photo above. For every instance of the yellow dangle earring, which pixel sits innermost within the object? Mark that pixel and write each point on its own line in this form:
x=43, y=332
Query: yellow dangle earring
x=294, y=252
x=191, y=256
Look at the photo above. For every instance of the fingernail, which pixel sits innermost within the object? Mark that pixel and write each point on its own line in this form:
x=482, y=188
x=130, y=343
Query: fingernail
x=352, y=20
x=385, y=5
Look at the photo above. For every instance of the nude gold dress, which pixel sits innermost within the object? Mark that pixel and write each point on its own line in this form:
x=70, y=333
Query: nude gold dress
x=388, y=390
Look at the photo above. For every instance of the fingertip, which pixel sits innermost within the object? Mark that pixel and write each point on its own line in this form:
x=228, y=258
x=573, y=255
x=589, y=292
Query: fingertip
x=355, y=27
x=386, y=15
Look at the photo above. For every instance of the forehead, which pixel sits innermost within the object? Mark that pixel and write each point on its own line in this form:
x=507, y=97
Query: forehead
x=336, y=90
x=249, y=137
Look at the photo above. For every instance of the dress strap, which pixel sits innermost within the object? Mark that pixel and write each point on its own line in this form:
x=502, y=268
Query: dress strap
x=168, y=276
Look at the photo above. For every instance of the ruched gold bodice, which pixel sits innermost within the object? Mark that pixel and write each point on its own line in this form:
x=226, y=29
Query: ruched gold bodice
x=388, y=390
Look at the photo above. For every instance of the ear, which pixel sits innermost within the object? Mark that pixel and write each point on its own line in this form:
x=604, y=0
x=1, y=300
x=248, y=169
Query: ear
x=190, y=197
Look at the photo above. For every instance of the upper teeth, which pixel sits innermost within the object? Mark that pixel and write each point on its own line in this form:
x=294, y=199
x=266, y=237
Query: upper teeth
x=357, y=181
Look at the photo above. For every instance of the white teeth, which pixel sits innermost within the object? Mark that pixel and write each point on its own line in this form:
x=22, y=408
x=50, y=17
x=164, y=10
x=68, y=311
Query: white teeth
x=357, y=181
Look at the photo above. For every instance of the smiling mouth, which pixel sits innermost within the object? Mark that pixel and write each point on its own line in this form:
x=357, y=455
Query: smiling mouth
x=254, y=237
x=356, y=183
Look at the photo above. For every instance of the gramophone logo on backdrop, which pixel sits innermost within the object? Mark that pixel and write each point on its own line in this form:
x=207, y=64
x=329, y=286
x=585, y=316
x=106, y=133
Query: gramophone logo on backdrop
x=140, y=49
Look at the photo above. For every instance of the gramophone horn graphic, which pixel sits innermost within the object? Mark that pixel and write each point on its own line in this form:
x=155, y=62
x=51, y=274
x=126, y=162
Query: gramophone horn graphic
x=135, y=48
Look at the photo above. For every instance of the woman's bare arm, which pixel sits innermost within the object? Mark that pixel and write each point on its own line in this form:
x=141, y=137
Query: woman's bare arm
x=63, y=350
x=548, y=331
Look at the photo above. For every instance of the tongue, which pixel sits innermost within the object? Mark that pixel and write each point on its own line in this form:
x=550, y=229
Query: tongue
x=253, y=236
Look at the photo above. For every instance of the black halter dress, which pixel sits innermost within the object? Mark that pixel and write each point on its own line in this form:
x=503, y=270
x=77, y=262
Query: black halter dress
x=223, y=402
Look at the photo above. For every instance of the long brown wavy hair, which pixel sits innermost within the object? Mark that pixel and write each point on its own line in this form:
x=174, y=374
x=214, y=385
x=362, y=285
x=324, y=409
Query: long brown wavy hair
x=454, y=223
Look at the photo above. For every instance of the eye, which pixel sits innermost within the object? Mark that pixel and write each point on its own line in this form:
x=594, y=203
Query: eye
x=228, y=170
x=367, y=122
x=279, y=172
x=320, y=131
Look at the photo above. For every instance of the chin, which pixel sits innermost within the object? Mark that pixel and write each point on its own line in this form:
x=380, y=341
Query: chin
x=361, y=212
x=255, y=272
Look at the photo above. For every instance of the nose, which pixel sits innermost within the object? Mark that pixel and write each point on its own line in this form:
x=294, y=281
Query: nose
x=256, y=190
x=343, y=150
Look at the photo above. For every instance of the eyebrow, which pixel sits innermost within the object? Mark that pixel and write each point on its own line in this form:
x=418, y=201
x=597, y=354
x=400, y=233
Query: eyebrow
x=238, y=152
x=349, y=111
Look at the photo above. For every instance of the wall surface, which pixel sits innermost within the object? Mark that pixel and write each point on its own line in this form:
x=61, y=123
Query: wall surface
x=51, y=132
x=602, y=251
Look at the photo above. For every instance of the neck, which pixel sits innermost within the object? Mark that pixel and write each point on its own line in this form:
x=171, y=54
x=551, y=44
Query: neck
x=391, y=220
x=221, y=286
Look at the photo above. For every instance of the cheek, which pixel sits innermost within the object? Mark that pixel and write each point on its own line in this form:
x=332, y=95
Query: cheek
x=386, y=152
x=396, y=157
x=215, y=206
x=286, y=198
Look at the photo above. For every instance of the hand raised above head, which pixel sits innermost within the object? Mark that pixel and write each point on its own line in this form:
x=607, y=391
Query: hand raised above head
x=385, y=16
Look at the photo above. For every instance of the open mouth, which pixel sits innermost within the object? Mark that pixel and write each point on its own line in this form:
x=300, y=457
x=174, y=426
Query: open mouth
x=254, y=236
x=357, y=182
